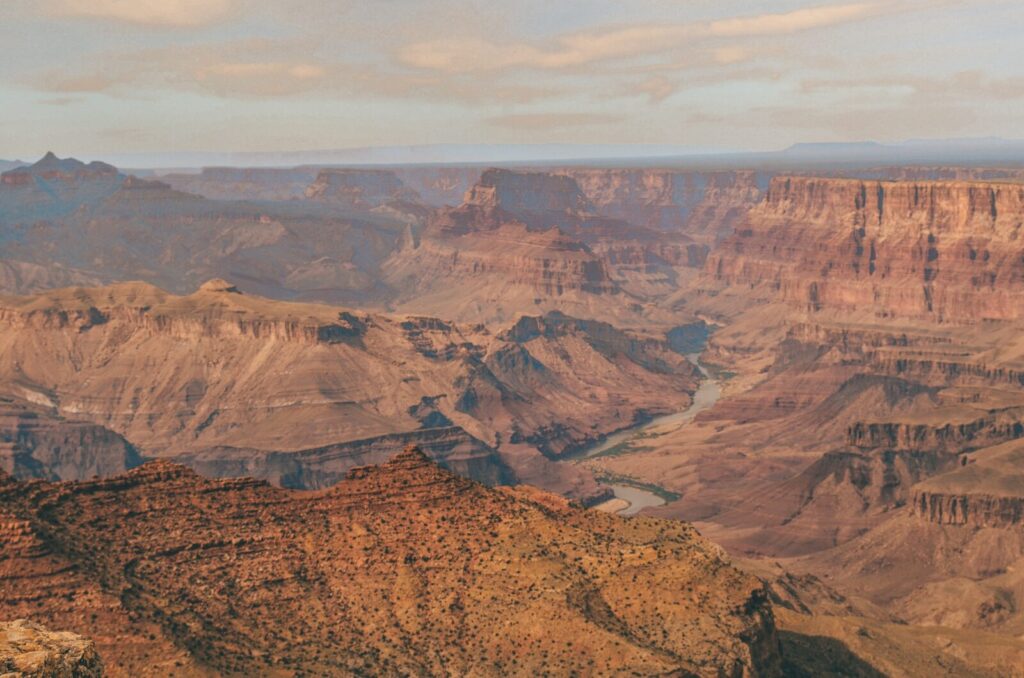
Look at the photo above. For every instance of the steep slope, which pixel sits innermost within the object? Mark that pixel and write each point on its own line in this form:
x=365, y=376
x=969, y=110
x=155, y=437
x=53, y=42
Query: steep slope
x=218, y=371
x=401, y=569
x=36, y=442
x=945, y=251
x=89, y=223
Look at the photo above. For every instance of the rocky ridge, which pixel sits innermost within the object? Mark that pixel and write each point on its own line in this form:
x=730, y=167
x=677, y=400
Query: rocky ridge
x=358, y=569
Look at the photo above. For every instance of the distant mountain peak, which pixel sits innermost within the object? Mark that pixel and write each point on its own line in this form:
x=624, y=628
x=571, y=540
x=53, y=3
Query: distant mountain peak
x=51, y=164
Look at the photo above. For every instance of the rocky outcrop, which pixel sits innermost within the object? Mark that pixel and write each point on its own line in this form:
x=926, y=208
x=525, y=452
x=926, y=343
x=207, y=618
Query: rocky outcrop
x=974, y=510
x=28, y=650
x=948, y=438
x=946, y=251
x=112, y=227
x=526, y=192
x=54, y=187
x=360, y=189
x=702, y=205
x=425, y=559
x=53, y=169
x=538, y=201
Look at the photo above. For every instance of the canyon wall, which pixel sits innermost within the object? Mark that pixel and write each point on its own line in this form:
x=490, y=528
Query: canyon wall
x=947, y=251
x=222, y=370
x=703, y=205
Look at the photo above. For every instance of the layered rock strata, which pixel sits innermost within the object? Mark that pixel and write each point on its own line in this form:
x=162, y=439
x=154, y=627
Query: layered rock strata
x=400, y=569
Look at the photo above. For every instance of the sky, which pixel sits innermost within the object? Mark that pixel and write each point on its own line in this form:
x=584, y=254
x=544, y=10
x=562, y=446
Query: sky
x=95, y=77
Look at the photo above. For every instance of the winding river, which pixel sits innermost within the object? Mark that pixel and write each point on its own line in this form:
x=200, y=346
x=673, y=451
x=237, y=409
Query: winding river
x=636, y=497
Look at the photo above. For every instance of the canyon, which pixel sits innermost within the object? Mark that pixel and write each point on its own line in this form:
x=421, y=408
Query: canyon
x=220, y=376
x=820, y=370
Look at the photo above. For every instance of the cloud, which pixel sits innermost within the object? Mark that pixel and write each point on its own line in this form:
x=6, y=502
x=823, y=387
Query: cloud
x=547, y=121
x=249, y=69
x=259, y=78
x=579, y=49
x=149, y=12
x=792, y=22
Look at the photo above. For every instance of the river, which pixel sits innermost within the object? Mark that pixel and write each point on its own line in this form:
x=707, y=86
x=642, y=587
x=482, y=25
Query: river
x=638, y=498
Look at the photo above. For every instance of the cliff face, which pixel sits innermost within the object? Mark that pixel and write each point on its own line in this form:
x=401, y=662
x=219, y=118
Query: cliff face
x=941, y=250
x=35, y=442
x=451, y=577
x=703, y=205
x=974, y=510
x=527, y=192
x=945, y=438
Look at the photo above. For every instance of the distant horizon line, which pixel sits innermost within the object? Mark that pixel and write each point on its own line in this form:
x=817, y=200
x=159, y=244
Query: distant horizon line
x=540, y=153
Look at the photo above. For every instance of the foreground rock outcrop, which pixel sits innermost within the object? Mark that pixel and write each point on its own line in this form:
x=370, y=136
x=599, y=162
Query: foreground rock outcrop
x=28, y=650
x=401, y=569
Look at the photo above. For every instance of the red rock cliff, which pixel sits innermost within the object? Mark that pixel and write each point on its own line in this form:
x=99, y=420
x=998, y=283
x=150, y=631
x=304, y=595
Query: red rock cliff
x=944, y=250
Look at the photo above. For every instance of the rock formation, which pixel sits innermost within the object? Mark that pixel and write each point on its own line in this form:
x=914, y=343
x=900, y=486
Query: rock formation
x=218, y=370
x=360, y=189
x=940, y=250
x=702, y=205
x=28, y=650
x=400, y=569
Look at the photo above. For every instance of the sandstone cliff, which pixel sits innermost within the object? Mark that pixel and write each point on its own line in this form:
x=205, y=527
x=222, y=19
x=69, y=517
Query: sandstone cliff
x=940, y=250
x=400, y=569
x=702, y=205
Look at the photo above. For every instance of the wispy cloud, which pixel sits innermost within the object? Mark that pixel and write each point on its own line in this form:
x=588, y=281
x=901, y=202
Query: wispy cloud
x=579, y=49
x=792, y=22
x=267, y=69
x=149, y=12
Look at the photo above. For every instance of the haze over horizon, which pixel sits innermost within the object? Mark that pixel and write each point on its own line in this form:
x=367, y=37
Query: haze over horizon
x=179, y=76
